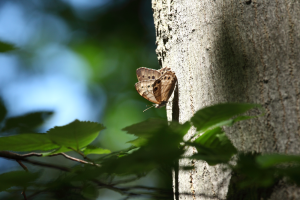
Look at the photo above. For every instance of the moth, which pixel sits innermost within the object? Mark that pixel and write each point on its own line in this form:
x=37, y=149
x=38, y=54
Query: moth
x=155, y=85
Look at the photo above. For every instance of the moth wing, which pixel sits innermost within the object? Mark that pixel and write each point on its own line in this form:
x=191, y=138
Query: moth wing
x=145, y=89
x=144, y=73
x=162, y=71
x=164, y=86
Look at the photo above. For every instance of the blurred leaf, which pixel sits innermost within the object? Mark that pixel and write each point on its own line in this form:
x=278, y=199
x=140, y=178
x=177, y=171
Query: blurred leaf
x=127, y=151
x=261, y=170
x=138, y=142
x=266, y=161
x=95, y=150
x=180, y=129
x=16, y=178
x=250, y=192
x=219, y=115
x=153, y=128
x=210, y=139
x=291, y=172
x=214, y=147
x=90, y=191
x=252, y=174
x=26, y=142
x=82, y=173
x=27, y=122
x=62, y=188
x=147, y=128
x=241, y=118
x=61, y=149
x=162, y=147
x=75, y=135
x=3, y=110
x=4, y=47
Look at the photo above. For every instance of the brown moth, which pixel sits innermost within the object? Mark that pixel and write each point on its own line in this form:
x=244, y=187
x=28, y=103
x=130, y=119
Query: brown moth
x=144, y=73
x=155, y=85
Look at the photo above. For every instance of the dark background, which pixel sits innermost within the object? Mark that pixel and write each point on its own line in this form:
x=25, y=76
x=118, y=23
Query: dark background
x=78, y=59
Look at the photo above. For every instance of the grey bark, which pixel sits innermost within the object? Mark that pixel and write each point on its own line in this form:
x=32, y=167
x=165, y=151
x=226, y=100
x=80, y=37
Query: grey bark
x=233, y=51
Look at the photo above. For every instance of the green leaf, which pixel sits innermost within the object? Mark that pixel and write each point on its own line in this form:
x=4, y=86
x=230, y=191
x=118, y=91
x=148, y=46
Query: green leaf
x=61, y=149
x=209, y=138
x=138, y=142
x=4, y=47
x=75, y=135
x=152, y=127
x=95, y=150
x=242, y=118
x=16, y=178
x=219, y=115
x=266, y=161
x=27, y=122
x=27, y=142
x=214, y=147
x=180, y=129
x=162, y=146
x=137, y=129
x=147, y=128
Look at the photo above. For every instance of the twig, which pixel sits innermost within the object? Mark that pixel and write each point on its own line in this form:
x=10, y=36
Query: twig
x=76, y=159
x=28, y=154
x=117, y=152
x=35, y=194
x=124, y=191
x=22, y=165
x=84, y=156
x=14, y=156
x=24, y=194
x=40, y=155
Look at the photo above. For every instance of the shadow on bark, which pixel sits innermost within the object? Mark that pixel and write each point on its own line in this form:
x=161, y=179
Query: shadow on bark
x=249, y=193
x=232, y=72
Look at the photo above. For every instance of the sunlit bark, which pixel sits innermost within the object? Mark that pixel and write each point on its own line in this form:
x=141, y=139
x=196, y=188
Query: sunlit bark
x=233, y=51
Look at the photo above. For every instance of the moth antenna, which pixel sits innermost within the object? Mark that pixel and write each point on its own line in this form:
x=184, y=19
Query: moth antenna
x=148, y=108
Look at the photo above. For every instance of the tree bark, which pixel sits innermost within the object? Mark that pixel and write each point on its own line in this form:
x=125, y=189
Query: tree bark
x=233, y=51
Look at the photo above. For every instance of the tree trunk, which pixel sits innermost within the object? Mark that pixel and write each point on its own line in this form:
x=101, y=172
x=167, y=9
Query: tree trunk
x=233, y=51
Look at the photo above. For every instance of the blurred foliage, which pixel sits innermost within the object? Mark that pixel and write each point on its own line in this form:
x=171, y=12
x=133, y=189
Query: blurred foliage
x=158, y=146
x=27, y=122
x=16, y=178
x=5, y=47
x=114, y=39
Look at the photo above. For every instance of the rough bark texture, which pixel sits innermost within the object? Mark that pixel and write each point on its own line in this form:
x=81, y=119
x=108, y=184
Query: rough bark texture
x=233, y=51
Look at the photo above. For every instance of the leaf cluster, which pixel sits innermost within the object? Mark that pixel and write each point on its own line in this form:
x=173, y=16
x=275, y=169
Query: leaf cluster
x=158, y=144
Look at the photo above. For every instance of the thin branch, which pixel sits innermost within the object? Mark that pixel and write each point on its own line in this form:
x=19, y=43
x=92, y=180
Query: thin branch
x=117, y=152
x=36, y=193
x=22, y=165
x=84, y=156
x=28, y=154
x=14, y=156
x=24, y=194
x=57, y=154
x=76, y=159
x=123, y=191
